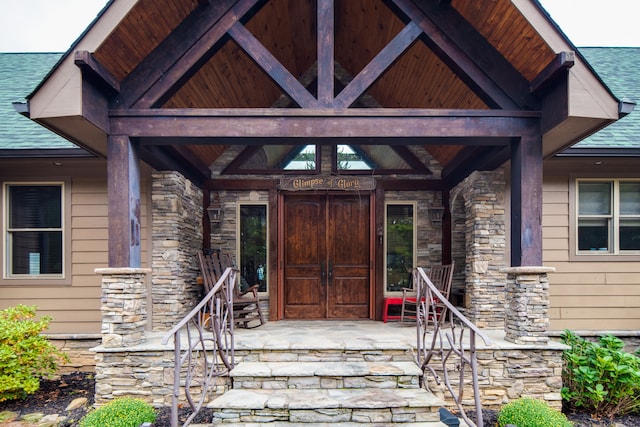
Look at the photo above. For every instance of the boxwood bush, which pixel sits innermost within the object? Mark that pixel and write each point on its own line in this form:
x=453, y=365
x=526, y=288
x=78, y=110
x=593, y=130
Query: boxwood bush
x=529, y=412
x=25, y=355
x=120, y=412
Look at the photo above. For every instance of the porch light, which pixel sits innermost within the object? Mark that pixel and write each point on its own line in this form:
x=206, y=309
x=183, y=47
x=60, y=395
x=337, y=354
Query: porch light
x=215, y=210
x=435, y=214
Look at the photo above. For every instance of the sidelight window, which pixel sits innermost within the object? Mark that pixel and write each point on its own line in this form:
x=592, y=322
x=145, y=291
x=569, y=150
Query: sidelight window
x=400, y=232
x=252, y=235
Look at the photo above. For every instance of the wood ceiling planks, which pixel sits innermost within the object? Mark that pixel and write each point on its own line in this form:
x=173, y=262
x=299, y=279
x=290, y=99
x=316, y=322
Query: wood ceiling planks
x=287, y=28
x=509, y=32
x=144, y=27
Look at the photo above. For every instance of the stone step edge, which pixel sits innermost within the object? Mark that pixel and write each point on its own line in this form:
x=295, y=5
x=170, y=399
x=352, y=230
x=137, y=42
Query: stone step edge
x=324, y=369
x=345, y=424
x=315, y=399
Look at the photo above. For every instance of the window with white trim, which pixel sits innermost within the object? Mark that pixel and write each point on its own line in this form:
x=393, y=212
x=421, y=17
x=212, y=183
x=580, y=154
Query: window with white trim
x=608, y=216
x=400, y=248
x=34, y=239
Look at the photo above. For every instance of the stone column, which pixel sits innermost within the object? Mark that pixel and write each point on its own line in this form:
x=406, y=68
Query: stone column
x=177, y=235
x=483, y=194
x=124, y=306
x=527, y=302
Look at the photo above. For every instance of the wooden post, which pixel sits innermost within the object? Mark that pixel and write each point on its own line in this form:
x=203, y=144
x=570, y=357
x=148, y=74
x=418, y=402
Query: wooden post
x=123, y=183
x=526, y=201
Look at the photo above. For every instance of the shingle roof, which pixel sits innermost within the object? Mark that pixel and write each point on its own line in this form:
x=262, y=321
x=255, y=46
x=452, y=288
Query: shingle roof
x=19, y=74
x=619, y=69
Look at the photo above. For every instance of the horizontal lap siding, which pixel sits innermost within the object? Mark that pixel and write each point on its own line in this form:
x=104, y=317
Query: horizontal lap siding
x=75, y=308
x=584, y=295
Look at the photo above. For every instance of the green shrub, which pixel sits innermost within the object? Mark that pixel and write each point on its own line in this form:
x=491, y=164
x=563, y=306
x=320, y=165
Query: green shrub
x=25, y=355
x=600, y=377
x=528, y=412
x=121, y=412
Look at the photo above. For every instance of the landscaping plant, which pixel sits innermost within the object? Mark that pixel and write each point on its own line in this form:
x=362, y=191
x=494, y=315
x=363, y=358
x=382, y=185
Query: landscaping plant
x=120, y=412
x=599, y=377
x=529, y=412
x=25, y=355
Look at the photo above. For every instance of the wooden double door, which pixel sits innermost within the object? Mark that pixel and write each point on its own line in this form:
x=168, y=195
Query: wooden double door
x=327, y=256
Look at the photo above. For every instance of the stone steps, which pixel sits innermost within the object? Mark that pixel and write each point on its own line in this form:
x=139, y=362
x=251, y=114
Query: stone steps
x=346, y=378
x=334, y=406
x=306, y=375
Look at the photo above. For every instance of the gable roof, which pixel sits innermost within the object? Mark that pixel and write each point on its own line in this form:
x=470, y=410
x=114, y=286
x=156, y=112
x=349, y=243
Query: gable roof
x=619, y=68
x=192, y=56
x=19, y=74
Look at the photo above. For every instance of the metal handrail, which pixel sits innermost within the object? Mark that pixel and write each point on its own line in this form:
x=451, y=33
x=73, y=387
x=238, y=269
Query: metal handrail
x=209, y=352
x=433, y=308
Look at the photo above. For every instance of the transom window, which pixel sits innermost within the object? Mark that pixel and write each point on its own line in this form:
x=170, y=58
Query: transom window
x=34, y=230
x=608, y=216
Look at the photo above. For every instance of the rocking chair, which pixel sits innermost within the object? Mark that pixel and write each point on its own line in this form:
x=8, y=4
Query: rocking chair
x=246, y=305
x=441, y=276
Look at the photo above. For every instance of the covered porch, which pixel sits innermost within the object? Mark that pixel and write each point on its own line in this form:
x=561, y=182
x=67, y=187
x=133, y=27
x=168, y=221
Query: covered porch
x=208, y=96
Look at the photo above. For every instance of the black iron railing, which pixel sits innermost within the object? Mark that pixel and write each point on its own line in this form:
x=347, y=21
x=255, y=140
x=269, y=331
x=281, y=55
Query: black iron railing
x=203, y=347
x=443, y=347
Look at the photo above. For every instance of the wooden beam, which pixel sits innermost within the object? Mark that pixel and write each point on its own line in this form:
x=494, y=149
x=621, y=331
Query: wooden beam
x=309, y=123
x=474, y=158
x=326, y=51
x=378, y=65
x=272, y=66
x=176, y=159
x=123, y=188
x=526, y=202
x=562, y=62
x=96, y=72
x=177, y=57
x=480, y=66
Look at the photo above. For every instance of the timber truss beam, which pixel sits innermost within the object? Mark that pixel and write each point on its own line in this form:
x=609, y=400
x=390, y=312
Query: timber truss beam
x=453, y=39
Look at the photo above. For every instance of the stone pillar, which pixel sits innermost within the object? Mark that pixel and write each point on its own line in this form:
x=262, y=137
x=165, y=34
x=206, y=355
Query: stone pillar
x=485, y=238
x=124, y=306
x=177, y=235
x=527, y=301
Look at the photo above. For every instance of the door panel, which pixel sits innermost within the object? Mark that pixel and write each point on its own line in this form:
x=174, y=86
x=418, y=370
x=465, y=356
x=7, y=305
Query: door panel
x=304, y=255
x=348, y=250
x=326, y=257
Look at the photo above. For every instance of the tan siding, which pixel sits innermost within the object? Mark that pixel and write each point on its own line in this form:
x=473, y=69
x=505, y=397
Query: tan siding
x=90, y=246
x=89, y=211
x=596, y=324
x=89, y=234
x=555, y=233
x=584, y=295
x=554, y=255
x=597, y=301
x=577, y=279
x=556, y=221
x=75, y=308
x=556, y=244
x=550, y=209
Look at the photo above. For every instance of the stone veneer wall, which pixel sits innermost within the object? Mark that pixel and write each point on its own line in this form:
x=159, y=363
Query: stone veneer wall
x=483, y=194
x=506, y=372
x=177, y=235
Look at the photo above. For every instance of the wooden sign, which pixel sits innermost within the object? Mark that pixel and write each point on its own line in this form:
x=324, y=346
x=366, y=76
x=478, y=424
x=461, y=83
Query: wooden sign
x=347, y=183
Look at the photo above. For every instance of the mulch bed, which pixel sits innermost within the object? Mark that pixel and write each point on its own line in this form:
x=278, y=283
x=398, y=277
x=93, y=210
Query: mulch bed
x=55, y=395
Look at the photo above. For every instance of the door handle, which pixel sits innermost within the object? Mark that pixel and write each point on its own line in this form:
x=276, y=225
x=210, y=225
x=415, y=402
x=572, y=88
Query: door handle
x=323, y=274
x=330, y=271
